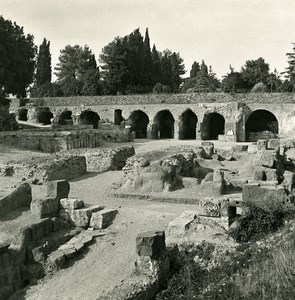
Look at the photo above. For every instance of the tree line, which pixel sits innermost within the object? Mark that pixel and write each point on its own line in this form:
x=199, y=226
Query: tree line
x=127, y=65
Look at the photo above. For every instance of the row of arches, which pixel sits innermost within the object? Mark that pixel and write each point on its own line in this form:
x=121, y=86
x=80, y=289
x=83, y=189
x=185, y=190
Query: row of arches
x=259, y=124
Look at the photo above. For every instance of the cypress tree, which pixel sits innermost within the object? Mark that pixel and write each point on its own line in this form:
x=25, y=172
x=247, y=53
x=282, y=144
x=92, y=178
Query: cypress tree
x=43, y=73
x=147, y=58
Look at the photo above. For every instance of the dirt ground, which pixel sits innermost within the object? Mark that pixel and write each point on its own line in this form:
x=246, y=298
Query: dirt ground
x=109, y=261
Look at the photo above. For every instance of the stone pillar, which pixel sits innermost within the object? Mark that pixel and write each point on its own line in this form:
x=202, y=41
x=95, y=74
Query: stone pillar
x=150, y=246
x=149, y=131
x=176, y=130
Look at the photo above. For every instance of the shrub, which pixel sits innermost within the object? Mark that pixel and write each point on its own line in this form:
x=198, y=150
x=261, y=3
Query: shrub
x=257, y=223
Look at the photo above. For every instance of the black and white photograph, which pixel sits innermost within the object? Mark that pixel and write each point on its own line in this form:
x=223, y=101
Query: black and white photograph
x=147, y=150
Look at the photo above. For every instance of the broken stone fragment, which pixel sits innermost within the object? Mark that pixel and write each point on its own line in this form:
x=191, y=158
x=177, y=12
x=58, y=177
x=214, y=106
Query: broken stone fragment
x=150, y=243
x=273, y=144
x=81, y=217
x=103, y=219
x=71, y=203
x=58, y=188
x=181, y=224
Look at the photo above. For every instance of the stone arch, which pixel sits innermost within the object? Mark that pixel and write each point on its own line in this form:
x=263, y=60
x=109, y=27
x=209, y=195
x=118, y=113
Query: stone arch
x=187, y=125
x=89, y=117
x=22, y=114
x=213, y=125
x=44, y=116
x=261, y=124
x=65, y=117
x=163, y=126
x=118, y=116
x=139, y=121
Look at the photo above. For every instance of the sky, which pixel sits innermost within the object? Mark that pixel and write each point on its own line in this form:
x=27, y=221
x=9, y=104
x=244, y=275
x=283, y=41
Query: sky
x=222, y=32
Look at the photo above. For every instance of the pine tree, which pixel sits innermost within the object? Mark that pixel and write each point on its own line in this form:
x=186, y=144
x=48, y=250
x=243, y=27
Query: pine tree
x=43, y=72
x=290, y=70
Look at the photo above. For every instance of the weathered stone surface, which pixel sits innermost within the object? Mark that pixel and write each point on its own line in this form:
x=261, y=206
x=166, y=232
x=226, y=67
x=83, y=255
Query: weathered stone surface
x=58, y=188
x=269, y=198
x=20, y=197
x=45, y=207
x=213, y=184
x=240, y=148
x=102, y=219
x=181, y=224
x=6, y=291
x=273, y=144
x=56, y=260
x=190, y=182
x=150, y=243
x=71, y=203
x=109, y=159
x=81, y=217
x=261, y=144
x=265, y=174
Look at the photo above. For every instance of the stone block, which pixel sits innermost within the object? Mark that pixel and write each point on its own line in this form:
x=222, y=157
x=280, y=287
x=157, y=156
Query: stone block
x=181, y=224
x=261, y=144
x=190, y=182
x=20, y=197
x=268, y=198
x=102, y=219
x=267, y=158
x=81, y=217
x=58, y=189
x=71, y=203
x=150, y=243
x=45, y=207
x=273, y=144
x=240, y=148
x=252, y=148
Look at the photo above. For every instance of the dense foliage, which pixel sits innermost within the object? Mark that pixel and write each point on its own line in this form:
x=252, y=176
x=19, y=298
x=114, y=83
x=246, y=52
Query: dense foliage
x=129, y=66
x=17, y=58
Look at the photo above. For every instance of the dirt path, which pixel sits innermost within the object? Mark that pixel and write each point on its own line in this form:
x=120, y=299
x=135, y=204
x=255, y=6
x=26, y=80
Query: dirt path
x=110, y=260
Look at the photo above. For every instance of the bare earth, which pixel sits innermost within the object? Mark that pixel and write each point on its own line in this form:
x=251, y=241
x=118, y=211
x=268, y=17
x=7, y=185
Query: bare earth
x=109, y=261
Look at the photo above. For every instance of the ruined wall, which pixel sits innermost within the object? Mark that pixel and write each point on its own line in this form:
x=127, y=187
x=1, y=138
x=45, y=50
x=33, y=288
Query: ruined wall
x=234, y=108
x=40, y=170
x=108, y=159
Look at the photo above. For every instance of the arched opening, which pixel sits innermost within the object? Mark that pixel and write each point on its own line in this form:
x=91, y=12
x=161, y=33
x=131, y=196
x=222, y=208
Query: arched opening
x=187, y=125
x=44, y=116
x=212, y=126
x=139, y=122
x=261, y=124
x=163, y=126
x=89, y=117
x=118, y=117
x=23, y=114
x=65, y=118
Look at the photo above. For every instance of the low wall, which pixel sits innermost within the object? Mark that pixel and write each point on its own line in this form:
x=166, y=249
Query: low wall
x=51, y=169
x=108, y=159
x=21, y=197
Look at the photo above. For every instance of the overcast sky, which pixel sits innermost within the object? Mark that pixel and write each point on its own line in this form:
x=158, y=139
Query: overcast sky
x=222, y=32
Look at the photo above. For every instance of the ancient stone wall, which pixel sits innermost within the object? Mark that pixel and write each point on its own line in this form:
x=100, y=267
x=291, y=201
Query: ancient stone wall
x=40, y=170
x=235, y=109
x=108, y=159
